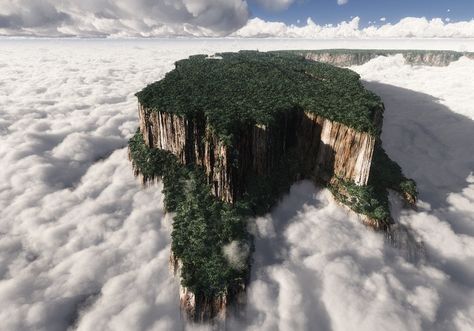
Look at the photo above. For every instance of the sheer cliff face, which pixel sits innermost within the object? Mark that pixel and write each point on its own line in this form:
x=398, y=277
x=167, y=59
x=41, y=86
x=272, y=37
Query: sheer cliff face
x=326, y=148
x=191, y=142
x=355, y=58
x=345, y=152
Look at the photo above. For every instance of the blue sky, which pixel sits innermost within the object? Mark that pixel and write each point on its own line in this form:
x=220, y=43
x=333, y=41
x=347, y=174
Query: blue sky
x=328, y=11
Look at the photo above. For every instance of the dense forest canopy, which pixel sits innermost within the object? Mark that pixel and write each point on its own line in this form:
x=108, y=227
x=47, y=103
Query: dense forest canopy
x=252, y=87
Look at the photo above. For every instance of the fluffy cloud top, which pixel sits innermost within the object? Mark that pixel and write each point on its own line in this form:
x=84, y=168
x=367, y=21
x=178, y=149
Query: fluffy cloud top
x=83, y=246
x=406, y=28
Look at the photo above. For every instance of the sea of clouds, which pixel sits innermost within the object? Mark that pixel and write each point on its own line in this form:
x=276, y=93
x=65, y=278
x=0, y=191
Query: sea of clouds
x=83, y=246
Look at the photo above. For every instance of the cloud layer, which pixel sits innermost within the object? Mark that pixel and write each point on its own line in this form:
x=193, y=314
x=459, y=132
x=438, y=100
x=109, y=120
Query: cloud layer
x=409, y=27
x=83, y=246
x=133, y=18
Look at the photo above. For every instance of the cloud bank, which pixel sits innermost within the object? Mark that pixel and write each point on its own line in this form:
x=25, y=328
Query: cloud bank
x=409, y=27
x=84, y=247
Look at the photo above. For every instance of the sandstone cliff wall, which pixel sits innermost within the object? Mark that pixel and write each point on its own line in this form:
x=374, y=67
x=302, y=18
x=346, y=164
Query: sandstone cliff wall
x=345, y=152
x=327, y=148
x=351, y=58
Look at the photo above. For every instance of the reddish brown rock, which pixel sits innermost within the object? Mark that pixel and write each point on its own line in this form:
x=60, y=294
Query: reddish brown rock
x=327, y=148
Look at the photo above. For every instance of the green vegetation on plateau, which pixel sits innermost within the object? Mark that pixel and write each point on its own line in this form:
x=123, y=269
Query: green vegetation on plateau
x=251, y=87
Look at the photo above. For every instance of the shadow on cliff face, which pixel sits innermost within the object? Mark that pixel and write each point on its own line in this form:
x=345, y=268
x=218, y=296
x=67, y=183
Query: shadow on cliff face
x=317, y=266
x=433, y=145
x=272, y=250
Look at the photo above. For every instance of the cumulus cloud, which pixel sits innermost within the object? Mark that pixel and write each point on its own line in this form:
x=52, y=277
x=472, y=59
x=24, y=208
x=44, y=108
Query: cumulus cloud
x=84, y=246
x=342, y=2
x=409, y=27
x=139, y=18
x=257, y=27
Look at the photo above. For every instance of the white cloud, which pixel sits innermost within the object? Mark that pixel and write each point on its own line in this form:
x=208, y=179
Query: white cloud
x=257, y=27
x=342, y=2
x=409, y=27
x=275, y=4
x=237, y=254
x=82, y=244
x=383, y=19
x=139, y=18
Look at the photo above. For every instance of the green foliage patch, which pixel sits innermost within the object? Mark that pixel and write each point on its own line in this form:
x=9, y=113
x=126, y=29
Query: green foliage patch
x=202, y=225
x=387, y=174
x=372, y=199
x=253, y=88
x=366, y=200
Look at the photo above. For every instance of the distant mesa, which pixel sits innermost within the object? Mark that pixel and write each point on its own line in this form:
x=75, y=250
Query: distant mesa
x=229, y=134
x=355, y=57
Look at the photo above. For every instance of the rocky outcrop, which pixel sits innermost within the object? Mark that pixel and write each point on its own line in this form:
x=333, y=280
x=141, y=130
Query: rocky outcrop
x=199, y=308
x=327, y=148
x=347, y=58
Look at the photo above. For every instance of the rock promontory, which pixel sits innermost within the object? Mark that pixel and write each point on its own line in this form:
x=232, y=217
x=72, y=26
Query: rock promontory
x=229, y=134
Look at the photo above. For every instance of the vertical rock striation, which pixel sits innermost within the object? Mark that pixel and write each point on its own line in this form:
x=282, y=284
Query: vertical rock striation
x=346, y=58
x=327, y=148
x=345, y=153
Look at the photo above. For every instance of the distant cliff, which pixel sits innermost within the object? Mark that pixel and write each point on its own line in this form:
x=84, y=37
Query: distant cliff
x=350, y=57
